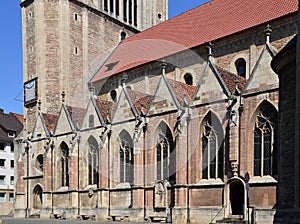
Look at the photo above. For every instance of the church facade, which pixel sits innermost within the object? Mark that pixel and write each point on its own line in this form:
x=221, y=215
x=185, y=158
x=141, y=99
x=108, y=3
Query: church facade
x=176, y=123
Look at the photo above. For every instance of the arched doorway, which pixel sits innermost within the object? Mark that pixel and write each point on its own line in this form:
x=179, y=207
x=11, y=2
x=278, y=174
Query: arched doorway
x=237, y=197
x=37, y=197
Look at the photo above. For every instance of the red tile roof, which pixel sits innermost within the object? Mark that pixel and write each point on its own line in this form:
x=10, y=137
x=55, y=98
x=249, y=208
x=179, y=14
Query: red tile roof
x=76, y=114
x=140, y=100
x=105, y=108
x=230, y=80
x=182, y=90
x=50, y=121
x=211, y=21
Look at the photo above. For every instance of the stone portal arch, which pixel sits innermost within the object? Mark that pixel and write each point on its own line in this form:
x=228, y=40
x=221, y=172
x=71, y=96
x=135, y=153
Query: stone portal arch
x=37, y=197
x=236, y=197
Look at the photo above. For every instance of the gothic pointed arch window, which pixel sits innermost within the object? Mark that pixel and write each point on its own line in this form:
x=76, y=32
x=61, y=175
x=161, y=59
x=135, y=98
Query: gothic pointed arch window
x=64, y=164
x=93, y=161
x=165, y=154
x=126, y=158
x=265, y=141
x=212, y=147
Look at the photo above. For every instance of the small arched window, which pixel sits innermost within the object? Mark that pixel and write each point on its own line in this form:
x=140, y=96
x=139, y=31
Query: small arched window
x=188, y=78
x=113, y=95
x=240, y=65
x=123, y=35
x=91, y=121
x=39, y=164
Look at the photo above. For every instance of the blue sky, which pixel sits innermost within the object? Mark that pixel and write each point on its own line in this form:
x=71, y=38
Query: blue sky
x=11, y=90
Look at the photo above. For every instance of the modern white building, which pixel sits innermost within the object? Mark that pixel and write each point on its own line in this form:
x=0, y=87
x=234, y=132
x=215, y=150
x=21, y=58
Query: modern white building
x=10, y=126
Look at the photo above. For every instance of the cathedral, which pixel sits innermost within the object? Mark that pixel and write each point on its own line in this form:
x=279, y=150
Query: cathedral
x=131, y=116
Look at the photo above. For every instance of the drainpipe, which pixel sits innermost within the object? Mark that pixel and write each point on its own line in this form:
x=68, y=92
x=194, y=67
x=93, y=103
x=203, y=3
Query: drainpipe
x=108, y=170
x=144, y=168
x=52, y=181
x=78, y=179
x=188, y=119
x=27, y=181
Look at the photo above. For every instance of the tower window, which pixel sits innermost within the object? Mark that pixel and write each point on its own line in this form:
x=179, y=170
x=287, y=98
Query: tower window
x=123, y=35
x=105, y=5
x=240, y=65
x=76, y=50
x=75, y=16
x=91, y=121
x=188, y=78
x=117, y=8
x=135, y=12
x=159, y=16
x=125, y=10
x=111, y=2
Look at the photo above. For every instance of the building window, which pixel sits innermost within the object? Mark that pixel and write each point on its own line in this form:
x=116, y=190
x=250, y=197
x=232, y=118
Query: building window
x=240, y=65
x=113, y=95
x=106, y=5
x=2, y=197
x=265, y=141
x=165, y=155
x=11, y=197
x=12, y=180
x=212, y=148
x=111, y=2
x=39, y=163
x=12, y=164
x=135, y=13
x=11, y=134
x=93, y=164
x=126, y=158
x=2, y=146
x=123, y=35
x=75, y=16
x=2, y=162
x=188, y=78
x=126, y=164
x=125, y=10
x=91, y=121
x=117, y=8
x=64, y=164
x=12, y=147
x=2, y=179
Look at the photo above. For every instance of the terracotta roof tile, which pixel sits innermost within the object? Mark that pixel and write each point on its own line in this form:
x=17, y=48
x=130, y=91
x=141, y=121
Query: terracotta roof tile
x=105, y=108
x=140, y=100
x=182, y=90
x=230, y=80
x=211, y=21
x=76, y=114
x=50, y=121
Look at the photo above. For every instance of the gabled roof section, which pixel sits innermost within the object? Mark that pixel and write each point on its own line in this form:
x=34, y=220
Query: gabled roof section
x=231, y=80
x=182, y=91
x=9, y=123
x=262, y=76
x=105, y=108
x=141, y=101
x=50, y=121
x=76, y=114
x=211, y=21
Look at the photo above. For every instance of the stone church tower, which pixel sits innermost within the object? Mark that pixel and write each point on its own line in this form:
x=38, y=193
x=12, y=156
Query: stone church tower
x=66, y=41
